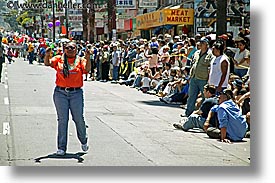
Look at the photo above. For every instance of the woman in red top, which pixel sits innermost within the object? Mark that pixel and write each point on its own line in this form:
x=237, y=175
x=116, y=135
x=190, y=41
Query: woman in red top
x=68, y=94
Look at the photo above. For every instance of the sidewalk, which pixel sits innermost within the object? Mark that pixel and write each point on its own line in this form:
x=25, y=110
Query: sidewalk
x=4, y=118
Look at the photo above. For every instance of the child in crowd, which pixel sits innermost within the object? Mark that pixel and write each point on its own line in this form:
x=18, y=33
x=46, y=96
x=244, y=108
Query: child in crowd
x=145, y=83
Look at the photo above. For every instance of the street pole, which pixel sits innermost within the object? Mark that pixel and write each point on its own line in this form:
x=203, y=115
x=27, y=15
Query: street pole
x=53, y=21
x=114, y=20
x=221, y=17
x=67, y=20
x=111, y=7
x=92, y=21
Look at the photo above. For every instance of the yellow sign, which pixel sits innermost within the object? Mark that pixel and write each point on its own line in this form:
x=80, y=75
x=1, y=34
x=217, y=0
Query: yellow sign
x=149, y=20
x=179, y=16
x=165, y=17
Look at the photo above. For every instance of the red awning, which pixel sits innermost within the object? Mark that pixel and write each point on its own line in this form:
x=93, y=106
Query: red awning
x=128, y=25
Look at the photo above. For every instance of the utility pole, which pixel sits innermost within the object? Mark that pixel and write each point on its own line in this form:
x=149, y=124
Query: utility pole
x=92, y=21
x=67, y=19
x=114, y=19
x=111, y=7
x=53, y=21
x=85, y=21
x=221, y=17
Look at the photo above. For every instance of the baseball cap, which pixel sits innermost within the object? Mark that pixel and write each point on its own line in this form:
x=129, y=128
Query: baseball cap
x=223, y=36
x=237, y=82
x=228, y=93
x=204, y=40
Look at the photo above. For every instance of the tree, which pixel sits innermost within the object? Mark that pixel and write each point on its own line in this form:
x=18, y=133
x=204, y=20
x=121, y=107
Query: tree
x=7, y=16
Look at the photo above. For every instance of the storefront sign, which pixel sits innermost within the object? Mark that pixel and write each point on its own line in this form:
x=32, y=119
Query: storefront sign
x=148, y=3
x=165, y=17
x=126, y=4
x=179, y=16
x=149, y=20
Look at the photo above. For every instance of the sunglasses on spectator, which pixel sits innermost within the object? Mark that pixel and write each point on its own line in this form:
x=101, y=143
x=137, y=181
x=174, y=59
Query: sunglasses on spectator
x=70, y=47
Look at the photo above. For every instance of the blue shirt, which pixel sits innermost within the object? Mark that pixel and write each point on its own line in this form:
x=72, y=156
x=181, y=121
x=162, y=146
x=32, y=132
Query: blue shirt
x=231, y=118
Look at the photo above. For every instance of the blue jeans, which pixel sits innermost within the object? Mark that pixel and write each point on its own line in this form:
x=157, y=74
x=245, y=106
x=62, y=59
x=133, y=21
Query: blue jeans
x=115, y=72
x=31, y=57
x=194, y=121
x=137, y=81
x=195, y=87
x=73, y=101
x=240, y=72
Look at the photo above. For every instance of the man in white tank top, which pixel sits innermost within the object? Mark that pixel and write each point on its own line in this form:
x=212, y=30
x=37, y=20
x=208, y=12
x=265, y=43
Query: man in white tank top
x=219, y=67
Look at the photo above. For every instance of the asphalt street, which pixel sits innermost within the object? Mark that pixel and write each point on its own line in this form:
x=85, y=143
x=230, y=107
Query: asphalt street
x=125, y=127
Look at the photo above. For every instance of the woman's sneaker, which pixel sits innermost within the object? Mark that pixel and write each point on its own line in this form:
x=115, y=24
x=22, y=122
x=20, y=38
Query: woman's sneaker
x=60, y=152
x=85, y=147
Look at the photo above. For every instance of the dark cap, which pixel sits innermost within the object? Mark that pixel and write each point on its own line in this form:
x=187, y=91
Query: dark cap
x=228, y=93
x=204, y=40
x=210, y=88
x=238, y=82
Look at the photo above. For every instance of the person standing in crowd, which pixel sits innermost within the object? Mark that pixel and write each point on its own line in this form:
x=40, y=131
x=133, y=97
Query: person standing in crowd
x=115, y=62
x=232, y=124
x=219, y=67
x=130, y=57
x=10, y=55
x=190, y=50
x=153, y=60
x=91, y=50
x=198, y=74
x=105, y=64
x=30, y=53
x=68, y=93
x=98, y=54
x=25, y=50
x=228, y=42
x=2, y=56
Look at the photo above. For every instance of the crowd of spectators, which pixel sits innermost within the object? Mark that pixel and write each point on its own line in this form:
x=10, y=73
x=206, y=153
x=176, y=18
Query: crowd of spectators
x=182, y=70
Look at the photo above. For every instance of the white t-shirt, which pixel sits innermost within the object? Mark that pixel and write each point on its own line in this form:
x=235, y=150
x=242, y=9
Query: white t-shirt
x=216, y=72
x=146, y=82
x=239, y=56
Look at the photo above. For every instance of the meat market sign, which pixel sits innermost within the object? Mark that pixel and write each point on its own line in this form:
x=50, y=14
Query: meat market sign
x=179, y=16
x=165, y=17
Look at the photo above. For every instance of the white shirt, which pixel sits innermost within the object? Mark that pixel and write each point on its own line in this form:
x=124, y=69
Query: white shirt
x=239, y=56
x=145, y=82
x=115, y=58
x=216, y=72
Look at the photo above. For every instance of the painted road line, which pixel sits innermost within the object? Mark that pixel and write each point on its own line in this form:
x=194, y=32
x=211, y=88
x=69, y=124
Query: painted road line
x=6, y=128
x=6, y=101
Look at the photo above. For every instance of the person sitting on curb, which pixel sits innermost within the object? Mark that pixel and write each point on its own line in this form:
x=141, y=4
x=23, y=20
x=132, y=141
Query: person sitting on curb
x=183, y=94
x=198, y=117
x=232, y=124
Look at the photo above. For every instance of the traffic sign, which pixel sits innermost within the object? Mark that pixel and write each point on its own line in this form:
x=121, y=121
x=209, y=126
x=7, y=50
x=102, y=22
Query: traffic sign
x=202, y=29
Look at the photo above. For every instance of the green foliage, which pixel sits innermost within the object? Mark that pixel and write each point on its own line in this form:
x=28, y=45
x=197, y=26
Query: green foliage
x=21, y=18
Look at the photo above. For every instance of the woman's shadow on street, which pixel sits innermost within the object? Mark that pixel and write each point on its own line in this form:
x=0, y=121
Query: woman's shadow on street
x=77, y=156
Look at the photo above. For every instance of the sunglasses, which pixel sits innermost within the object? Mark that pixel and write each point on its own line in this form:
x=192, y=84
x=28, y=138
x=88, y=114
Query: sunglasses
x=70, y=47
